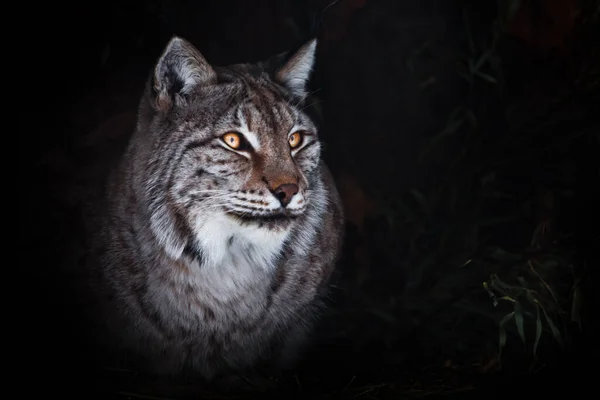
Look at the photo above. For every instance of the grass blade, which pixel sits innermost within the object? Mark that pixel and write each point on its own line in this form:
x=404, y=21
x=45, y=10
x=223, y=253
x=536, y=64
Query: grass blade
x=502, y=332
x=538, y=330
x=519, y=321
x=553, y=328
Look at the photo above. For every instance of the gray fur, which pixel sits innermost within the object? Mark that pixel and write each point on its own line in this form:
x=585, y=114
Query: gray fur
x=199, y=268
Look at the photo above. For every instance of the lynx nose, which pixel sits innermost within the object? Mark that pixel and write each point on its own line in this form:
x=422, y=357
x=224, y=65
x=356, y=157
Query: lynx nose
x=285, y=192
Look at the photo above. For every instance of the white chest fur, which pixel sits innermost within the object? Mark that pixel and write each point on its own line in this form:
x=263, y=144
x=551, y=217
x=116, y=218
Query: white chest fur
x=224, y=240
x=235, y=255
x=233, y=280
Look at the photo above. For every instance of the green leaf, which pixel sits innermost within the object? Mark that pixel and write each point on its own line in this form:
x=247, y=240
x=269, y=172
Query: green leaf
x=553, y=328
x=519, y=321
x=452, y=126
x=491, y=294
x=486, y=77
x=531, y=299
x=537, y=233
x=466, y=77
x=502, y=332
x=538, y=329
x=497, y=284
x=484, y=57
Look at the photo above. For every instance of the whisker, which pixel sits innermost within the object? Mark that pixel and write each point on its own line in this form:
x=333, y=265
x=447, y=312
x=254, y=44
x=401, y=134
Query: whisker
x=305, y=97
x=311, y=104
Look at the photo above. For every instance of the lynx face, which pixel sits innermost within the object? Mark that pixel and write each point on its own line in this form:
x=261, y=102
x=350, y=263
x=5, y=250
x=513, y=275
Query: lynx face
x=252, y=162
x=226, y=144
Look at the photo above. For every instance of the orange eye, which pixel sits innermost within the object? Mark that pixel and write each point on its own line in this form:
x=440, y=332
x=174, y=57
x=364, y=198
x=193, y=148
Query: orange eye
x=233, y=140
x=295, y=139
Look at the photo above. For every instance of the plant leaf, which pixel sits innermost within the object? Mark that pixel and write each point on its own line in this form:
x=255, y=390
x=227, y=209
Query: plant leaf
x=502, y=332
x=484, y=57
x=538, y=329
x=553, y=328
x=466, y=77
x=497, y=284
x=519, y=321
x=531, y=299
x=491, y=294
x=537, y=233
x=451, y=127
x=486, y=77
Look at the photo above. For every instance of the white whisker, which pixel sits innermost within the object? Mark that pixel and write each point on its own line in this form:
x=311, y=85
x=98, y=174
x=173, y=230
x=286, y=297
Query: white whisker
x=304, y=97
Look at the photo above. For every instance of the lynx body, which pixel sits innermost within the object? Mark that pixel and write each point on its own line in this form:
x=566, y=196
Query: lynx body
x=222, y=225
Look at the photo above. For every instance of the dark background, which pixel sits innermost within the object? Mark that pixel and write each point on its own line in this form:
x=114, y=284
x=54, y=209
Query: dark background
x=463, y=136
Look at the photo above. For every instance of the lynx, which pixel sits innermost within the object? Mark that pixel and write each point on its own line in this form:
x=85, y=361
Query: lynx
x=222, y=224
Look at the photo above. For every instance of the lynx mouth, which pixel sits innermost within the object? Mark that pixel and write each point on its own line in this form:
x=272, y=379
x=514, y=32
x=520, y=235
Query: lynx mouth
x=279, y=218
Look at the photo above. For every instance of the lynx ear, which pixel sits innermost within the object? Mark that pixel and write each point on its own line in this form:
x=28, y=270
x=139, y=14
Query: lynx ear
x=180, y=69
x=296, y=71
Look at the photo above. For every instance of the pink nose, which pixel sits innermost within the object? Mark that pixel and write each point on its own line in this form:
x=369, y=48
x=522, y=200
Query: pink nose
x=285, y=192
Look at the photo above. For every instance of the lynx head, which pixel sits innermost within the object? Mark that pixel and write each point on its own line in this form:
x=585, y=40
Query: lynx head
x=231, y=143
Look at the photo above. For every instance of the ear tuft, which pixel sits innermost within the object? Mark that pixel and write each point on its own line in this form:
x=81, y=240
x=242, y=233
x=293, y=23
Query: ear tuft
x=295, y=73
x=178, y=71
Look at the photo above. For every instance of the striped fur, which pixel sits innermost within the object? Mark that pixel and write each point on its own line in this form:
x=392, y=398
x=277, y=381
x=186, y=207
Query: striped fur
x=202, y=267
